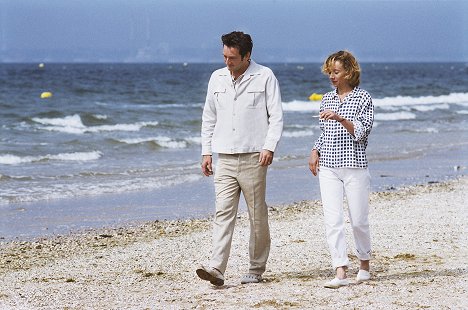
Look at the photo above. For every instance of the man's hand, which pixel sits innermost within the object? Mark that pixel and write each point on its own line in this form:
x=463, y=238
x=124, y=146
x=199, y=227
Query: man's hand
x=206, y=167
x=314, y=162
x=266, y=158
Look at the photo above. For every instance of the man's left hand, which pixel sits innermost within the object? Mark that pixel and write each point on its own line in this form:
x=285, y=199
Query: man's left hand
x=266, y=158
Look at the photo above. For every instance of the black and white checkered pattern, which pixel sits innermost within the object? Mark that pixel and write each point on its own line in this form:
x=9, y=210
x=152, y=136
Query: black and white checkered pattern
x=336, y=146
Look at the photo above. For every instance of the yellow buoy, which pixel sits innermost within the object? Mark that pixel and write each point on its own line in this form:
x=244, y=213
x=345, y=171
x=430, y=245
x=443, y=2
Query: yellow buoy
x=46, y=94
x=315, y=97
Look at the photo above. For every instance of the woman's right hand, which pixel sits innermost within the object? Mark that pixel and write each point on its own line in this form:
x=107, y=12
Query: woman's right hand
x=314, y=161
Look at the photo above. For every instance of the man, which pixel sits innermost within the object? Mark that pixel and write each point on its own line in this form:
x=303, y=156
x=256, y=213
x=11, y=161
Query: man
x=242, y=122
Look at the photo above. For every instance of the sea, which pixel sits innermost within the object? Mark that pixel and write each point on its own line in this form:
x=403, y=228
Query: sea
x=119, y=144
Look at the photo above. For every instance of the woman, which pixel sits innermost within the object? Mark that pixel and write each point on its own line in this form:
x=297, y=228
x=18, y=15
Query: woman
x=339, y=158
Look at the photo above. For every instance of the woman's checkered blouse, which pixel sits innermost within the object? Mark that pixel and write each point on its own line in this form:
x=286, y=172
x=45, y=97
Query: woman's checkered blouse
x=336, y=146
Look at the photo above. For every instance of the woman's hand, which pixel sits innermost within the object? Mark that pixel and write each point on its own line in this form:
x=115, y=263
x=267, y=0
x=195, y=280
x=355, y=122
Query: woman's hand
x=330, y=115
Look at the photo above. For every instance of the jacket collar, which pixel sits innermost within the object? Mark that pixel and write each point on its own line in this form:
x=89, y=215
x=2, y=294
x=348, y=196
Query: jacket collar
x=252, y=69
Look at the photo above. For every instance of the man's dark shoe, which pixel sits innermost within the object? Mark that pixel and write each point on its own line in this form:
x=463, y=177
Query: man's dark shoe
x=211, y=274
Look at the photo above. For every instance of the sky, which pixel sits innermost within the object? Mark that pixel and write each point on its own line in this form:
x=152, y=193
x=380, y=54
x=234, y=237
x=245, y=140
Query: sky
x=167, y=31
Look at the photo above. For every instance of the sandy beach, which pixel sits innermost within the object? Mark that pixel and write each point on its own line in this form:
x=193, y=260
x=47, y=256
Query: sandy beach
x=419, y=247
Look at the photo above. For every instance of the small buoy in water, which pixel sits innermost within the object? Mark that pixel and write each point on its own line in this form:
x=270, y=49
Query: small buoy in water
x=41, y=65
x=315, y=97
x=46, y=94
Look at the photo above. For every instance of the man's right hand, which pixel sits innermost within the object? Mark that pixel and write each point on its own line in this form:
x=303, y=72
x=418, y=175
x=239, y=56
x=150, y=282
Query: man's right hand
x=314, y=162
x=206, y=167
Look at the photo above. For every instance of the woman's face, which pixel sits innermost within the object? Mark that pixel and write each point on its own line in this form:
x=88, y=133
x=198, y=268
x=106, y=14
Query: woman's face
x=337, y=75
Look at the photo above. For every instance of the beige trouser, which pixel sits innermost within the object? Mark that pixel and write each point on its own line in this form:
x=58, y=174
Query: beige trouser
x=233, y=174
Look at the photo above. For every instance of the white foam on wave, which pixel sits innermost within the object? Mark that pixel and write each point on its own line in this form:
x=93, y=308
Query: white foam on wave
x=298, y=106
x=301, y=106
x=194, y=140
x=74, y=125
x=72, y=121
x=427, y=130
x=398, y=101
x=77, y=156
x=462, y=112
x=394, y=116
x=100, y=116
x=120, y=127
x=390, y=103
x=160, y=140
x=9, y=159
x=51, y=191
x=427, y=108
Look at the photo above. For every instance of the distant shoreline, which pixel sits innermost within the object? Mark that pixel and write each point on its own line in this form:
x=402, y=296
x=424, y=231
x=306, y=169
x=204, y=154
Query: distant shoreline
x=221, y=64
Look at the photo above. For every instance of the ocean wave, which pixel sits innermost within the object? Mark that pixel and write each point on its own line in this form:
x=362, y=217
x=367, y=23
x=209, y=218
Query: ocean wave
x=398, y=101
x=394, y=116
x=4, y=177
x=301, y=106
x=74, y=125
x=420, y=130
x=179, y=105
x=297, y=134
x=390, y=103
x=194, y=140
x=427, y=108
x=52, y=191
x=160, y=141
x=9, y=159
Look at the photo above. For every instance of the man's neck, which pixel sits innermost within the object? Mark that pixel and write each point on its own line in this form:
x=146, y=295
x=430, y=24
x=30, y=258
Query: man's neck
x=236, y=74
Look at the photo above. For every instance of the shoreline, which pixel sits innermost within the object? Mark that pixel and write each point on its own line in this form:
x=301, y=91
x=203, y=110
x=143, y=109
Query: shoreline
x=419, y=255
x=195, y=200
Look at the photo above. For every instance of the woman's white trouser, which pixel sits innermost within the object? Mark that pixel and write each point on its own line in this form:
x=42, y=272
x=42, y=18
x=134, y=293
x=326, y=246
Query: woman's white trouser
x=355, y=184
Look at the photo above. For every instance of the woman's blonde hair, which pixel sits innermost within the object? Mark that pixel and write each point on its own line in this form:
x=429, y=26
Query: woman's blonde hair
x=350, y=64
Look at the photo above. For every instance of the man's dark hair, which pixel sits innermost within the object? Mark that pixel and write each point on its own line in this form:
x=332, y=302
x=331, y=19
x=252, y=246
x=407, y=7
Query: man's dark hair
x=241, y=41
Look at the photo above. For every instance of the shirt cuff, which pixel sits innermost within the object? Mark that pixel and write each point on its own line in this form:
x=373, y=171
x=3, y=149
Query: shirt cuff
x=270, y=146
x=206, y=150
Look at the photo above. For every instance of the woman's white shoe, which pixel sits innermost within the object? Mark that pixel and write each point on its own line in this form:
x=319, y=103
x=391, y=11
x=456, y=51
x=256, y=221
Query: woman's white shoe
x=336, y=283
x=363, y=275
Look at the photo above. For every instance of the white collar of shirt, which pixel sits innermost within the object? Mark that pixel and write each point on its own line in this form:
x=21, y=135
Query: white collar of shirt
x=350, y=93
x=238, y=80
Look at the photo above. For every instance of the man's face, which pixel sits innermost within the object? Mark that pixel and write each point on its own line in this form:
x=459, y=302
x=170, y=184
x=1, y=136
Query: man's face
x=233, y=59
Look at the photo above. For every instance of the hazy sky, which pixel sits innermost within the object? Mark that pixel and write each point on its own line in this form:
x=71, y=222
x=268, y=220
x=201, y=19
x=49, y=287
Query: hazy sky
x=190, y=30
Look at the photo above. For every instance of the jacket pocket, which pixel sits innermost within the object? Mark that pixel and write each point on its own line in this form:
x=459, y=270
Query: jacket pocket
x=220, y=98
x=256, y=98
